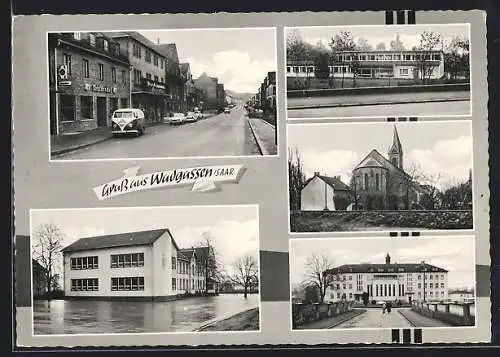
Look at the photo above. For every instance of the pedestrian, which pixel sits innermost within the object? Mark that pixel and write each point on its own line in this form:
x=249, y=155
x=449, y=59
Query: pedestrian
x=389, y=307
x=383, y=307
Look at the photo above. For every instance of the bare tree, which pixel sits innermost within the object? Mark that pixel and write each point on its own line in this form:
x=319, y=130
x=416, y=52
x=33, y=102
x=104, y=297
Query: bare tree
x=245, y=273
x=316, y=267
x=47, y=252
x=343, y=41
x=429, y=42
x=296, y=178
x=396, y=44
x=207, y=259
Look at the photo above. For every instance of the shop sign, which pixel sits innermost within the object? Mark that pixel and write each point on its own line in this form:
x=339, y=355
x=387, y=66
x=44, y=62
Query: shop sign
x=100, y=88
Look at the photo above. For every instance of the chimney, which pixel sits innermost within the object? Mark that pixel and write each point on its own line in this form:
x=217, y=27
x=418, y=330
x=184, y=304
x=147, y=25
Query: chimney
x=387, y=259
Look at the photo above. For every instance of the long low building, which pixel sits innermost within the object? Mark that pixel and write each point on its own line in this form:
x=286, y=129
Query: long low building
x=405, y=282
x=376, y=64
x=147, y=264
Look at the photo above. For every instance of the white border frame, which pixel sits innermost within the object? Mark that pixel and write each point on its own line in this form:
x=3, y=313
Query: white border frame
x=394, y=26
x=276, y=128
x=383, y=232
x=255, y=206
x=471, y=236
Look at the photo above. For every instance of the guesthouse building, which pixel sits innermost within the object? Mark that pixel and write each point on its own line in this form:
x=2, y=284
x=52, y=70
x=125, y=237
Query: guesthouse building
x=146, y=264
x=88, y=79
x=405, y=282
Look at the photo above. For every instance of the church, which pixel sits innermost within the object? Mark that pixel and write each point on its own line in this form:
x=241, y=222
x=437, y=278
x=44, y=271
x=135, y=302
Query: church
x=378, y=183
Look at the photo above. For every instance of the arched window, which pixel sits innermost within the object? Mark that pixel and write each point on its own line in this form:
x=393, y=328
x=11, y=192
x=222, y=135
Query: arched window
x=366, y=181
x=377, y=182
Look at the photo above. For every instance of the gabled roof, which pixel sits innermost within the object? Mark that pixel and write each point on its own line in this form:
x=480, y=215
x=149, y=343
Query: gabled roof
x=386, y=268
x=118, y=240
x=186, y=253
x=380, y=159
x=168, y=50
x=333, y=182
x=136, y=36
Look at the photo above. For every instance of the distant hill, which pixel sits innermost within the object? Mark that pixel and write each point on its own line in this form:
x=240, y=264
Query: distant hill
x=241, y=96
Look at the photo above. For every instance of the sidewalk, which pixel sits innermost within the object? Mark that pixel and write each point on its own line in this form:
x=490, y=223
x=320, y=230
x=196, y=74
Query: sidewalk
x=418, y=320
x=60, y=144
x=264, y=134
x=332, y=321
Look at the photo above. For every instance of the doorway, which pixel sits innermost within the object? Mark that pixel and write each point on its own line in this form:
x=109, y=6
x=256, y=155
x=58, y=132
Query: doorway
x=102, y=119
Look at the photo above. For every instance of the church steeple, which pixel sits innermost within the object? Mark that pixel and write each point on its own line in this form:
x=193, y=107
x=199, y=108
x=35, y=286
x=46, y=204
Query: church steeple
x=396, y=150
x=387, y=259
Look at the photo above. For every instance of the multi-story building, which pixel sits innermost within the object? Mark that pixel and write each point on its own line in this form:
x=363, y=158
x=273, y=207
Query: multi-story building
x=221, y=95
x=405, y=282
x=88, y=79
x=271, y=91
x=461, y=296
x=174, y=78
x=146, y=264
x=147, y=73
x=376, y=64
x=189, y=89
x=207, y=89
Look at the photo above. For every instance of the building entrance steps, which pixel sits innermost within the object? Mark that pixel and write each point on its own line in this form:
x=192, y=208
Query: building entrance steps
x=264, y=134
x=416, y=319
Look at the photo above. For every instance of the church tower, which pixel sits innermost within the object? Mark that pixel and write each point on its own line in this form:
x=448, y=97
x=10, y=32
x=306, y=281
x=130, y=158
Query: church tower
x=387, y=259
x=396, y=151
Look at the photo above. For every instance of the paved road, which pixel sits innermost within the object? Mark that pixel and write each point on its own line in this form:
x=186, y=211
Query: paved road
x=375, y=318
x=392, y=110
x=220, y=135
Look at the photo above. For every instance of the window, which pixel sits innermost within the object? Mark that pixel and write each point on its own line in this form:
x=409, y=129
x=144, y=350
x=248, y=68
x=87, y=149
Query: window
x=84, y=284
x=137, y=76
x=127, y=284
x=148, y=56
x=116, y=47
x=442, y=285
x=403, y=71
x=430, y=277
x=136, y=50
x=148, y=76
x=377, y=182
x=156, y=78
x=113, y=74
x=288, y=69
x=77, y=35
x=161, y=62
x=174, y=263
x=67, y=104
x=101, y=71
x=86, y=107
x=105, y=44
x=419, y=285
x=436, y=57
x=419, y=277
x=155, y=60
x=67, y=62
x=92, y=39
x=174, y=281
x=407, y=57
x=123, y=102
x=85, y=263
x=366, y=181
x=127, y=260
x=397, y=57
x=430, y=285
x=350, y=286
x=86, y=70
x=296, y=69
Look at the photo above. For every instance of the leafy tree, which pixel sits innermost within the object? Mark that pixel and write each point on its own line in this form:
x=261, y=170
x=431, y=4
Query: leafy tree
x=341, y=42
x=456, y=57
x=297, y=49
x=457, y=196
x=363, y=45
x=296, y=178
x=429, y=42
x=47, y=247
x=321, y=66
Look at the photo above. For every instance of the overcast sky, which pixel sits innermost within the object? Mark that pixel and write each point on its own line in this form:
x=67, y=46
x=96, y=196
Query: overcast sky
x=235, y=229
x=408, y=34
x=453, y=253
x=441, y=148
x=240, y=58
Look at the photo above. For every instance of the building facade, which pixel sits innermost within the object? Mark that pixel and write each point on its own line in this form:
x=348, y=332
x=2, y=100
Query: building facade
x=174, y=78
x=221, y=96
x=207, y=89
x=147, y=264
x=382, y=183
x=376, y=64
x=405, y=282
x=323, y=193
x=189, y=89
x=147, y=73
x=461, y=296
x=88, y=79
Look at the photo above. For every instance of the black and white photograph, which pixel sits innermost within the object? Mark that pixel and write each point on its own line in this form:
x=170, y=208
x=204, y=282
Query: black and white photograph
x=140, y=270
x=382, y=283
x=367, y=71
x=162, y=94
x=380, y=176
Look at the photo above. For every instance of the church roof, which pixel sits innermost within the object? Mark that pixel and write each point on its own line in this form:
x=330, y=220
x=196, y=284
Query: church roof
x=378, y=160
x=333, y=182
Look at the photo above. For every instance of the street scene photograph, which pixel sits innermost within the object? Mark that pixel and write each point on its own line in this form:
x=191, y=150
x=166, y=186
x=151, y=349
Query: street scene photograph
x=162, y=94
x=378, y=283
x=367, y=71
x=380, y=176
x=181, y=269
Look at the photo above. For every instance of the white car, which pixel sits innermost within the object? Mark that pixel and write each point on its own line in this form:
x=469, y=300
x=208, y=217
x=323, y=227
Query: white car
x=191, y=116
x=175, y=118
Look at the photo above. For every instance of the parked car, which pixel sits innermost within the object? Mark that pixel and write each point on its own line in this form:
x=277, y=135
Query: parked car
x=175, y=118
x=127, y=121
x=191, y=116
x=227, y=110
x=199, y=114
